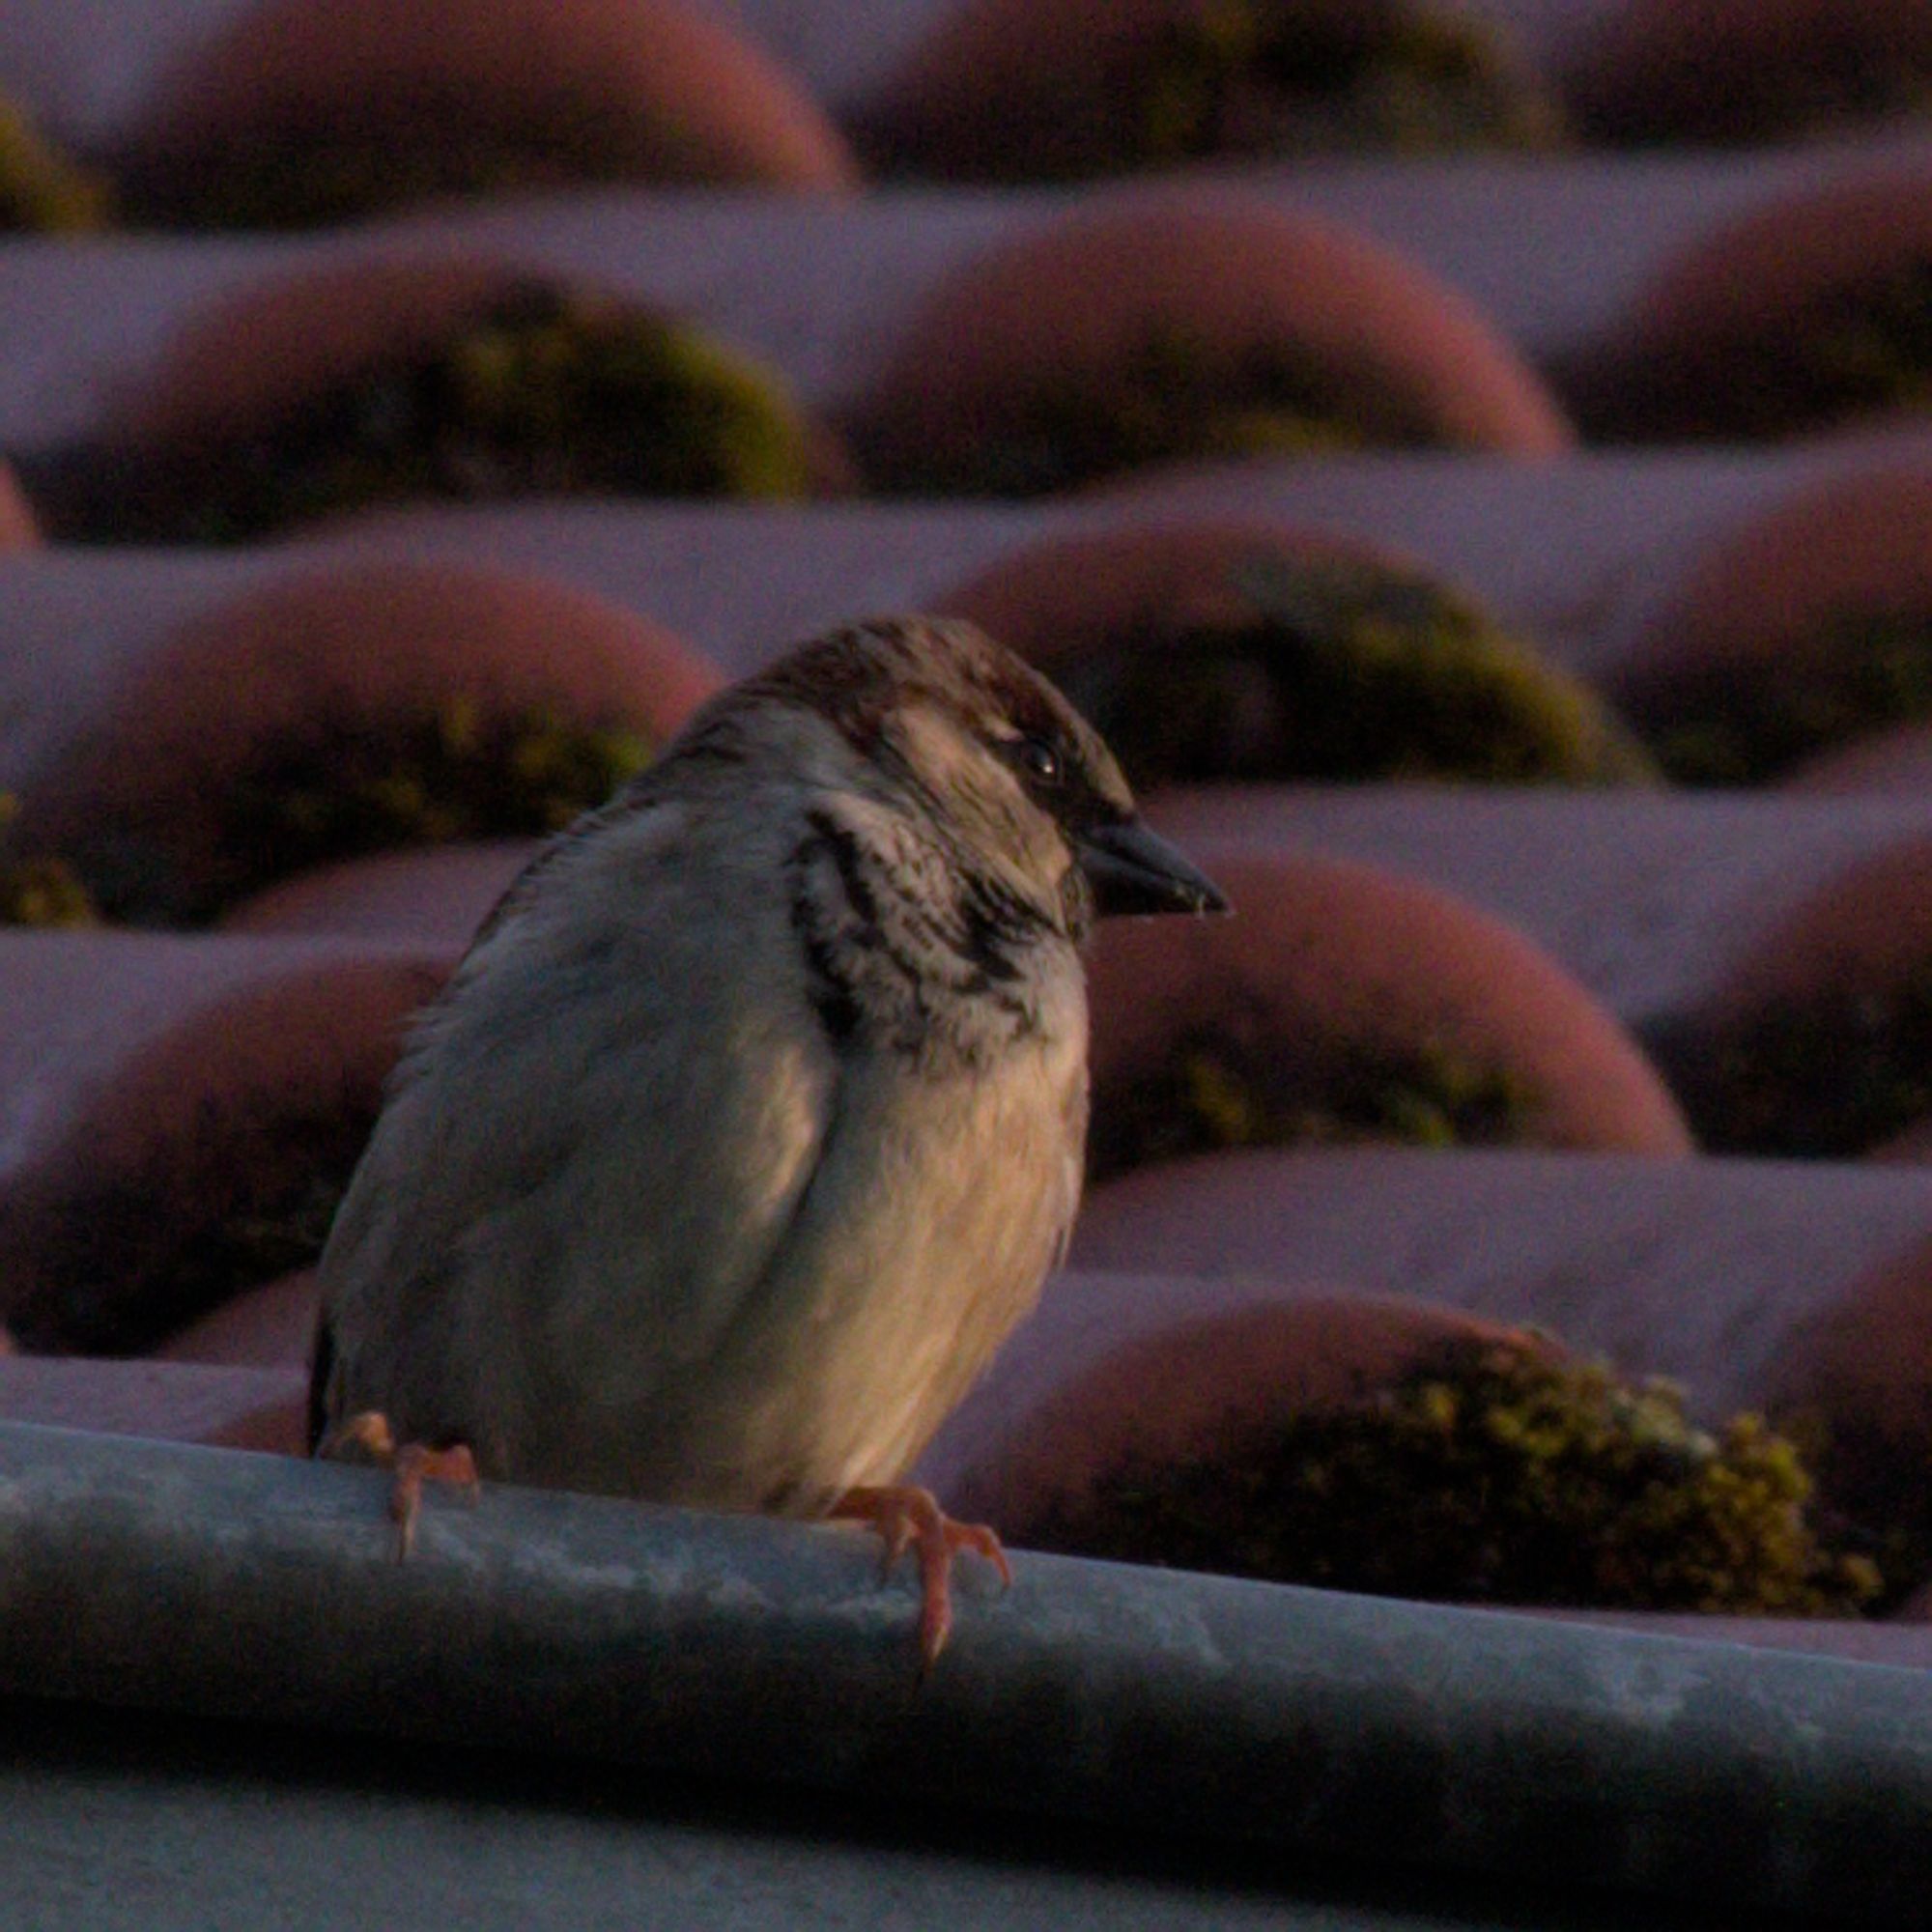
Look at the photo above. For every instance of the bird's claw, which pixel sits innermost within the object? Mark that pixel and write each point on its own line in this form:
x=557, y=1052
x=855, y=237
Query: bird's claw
x=370, y=1437
x=910, y=1518
x=415, y=1465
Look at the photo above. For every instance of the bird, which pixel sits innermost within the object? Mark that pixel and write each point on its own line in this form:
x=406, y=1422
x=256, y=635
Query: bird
x=753, y=1117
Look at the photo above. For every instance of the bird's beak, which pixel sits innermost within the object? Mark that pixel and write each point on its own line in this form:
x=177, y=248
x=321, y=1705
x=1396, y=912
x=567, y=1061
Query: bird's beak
x=1134, y=871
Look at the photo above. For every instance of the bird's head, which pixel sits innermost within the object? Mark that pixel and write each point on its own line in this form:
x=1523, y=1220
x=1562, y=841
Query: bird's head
x=1014, y=778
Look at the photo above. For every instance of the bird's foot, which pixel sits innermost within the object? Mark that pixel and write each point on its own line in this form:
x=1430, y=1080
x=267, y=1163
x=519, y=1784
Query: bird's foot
x=906, y=1516
x=368, y=1437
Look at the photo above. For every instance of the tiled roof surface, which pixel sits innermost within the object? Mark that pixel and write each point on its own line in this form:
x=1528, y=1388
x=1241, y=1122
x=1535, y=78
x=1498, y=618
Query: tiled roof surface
x=325, y=594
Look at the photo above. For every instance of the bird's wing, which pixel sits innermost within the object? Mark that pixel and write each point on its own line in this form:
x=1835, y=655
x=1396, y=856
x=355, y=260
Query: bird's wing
x=595, y=1146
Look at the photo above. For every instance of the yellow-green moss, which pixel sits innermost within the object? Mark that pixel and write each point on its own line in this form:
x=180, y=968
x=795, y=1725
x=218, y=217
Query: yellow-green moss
x=1255, y=80
x=543, y=393
x=1845, y=83
x=230, y=1206
x=1493, y=1474
x=1861, y=672
x=1830, y=1076
x=1177, y=397
x=261, y=1239
x=40, y=190
x=343, y=789
x=1870, y=345
x=1333, y=669
x=306, y=172
x=1858, y=350
x=36, y=889
x=1216, y=1090
x=1241, y=78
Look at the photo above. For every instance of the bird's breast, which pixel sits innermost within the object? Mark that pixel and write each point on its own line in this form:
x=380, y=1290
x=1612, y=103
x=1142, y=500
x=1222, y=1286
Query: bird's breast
x=939, y=1208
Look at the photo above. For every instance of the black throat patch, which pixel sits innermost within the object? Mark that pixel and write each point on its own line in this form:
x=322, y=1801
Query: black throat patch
x=905, y=950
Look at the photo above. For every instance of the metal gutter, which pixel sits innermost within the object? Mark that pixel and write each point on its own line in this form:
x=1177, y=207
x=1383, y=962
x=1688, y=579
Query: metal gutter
x=168, y=1578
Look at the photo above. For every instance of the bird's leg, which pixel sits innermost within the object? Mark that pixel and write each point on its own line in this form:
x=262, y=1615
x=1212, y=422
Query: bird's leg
x=370, y=1439
x=905, y=1515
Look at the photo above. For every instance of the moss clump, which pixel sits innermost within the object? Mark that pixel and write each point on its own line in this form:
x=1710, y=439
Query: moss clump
x=1242, y=78
x=315, y=173
x=346, y=791
x=44, y=892
x=1177, y=397
x=1863, y=672
x=233, y=1205
x=545, y=392
x=1830, y=1076
x=39, y=890
x=40, y=190
x=1215, y=1092
x=1255, y=80
x=1858, y=350
x=1493, y=1474
x=345, y=788
x=260, y=1239
x=1830, y=82
x=1334, y=669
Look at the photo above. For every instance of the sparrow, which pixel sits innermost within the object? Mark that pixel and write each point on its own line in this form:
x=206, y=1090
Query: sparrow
x=753, y=1119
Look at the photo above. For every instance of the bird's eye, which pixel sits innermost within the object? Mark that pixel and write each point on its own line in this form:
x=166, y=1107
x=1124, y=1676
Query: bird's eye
x=1038, y=760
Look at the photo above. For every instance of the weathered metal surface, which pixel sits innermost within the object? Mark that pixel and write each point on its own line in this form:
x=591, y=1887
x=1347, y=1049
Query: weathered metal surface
x=170, y=1577
x=112, y=1821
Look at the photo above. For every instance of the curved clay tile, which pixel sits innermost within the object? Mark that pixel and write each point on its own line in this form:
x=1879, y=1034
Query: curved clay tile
x=433, y=895
x=1370, y=1442
x=1748, y=71
x=1818, y=1039
x=227, y=1408
x=142, y=799
x=1066, y=1403
x=425, y=375
x=1802, y=314
x=316, y=109
x=1862, y=1369
x=196, y=1138
x=1134, y=296
x=1898, y=761
x=1786, y=650
x=43, y=190
x=1862, y=930
x=1061, y=599
x=1380, y=1006
x=232, y=365
x=1029, y=90
x=269, y=1326
x=1702, y=1270
x=1248, y=650
x=18, y=528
